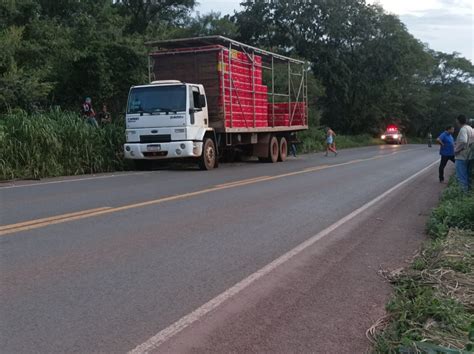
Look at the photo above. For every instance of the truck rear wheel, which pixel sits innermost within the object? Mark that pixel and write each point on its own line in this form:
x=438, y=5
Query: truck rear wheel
x=208, y=159
x=274, y=150
x=283, y=149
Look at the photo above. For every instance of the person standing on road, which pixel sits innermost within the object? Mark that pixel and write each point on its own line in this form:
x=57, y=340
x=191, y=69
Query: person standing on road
x=330, y=144
x=293, y=140
x=430, y=139
x=446, y=142
x=463, y=151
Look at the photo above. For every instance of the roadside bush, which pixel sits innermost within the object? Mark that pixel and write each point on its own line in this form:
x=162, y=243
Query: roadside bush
x=57, y=143
x=455, y=210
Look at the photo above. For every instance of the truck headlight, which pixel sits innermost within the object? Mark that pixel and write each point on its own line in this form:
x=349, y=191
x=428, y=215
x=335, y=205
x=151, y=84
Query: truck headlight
x=383, y=137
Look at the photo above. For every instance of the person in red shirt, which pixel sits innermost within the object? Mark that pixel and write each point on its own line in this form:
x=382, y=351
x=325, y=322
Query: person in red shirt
x=88, y=112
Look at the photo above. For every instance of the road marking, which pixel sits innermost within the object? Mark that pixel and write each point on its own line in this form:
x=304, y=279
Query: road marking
x=34, y=224
x=74, y=180
x=256, y=179
x=51, y=218
x=167, y=333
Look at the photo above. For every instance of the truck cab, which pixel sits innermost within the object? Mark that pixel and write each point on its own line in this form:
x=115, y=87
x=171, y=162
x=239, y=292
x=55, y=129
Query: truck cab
x=168, y=119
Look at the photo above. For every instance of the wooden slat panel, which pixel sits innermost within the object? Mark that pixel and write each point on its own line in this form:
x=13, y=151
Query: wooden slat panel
x=198, y=68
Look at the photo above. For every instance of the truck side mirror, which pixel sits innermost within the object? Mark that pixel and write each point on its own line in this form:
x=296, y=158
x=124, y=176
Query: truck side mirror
x=202, y=101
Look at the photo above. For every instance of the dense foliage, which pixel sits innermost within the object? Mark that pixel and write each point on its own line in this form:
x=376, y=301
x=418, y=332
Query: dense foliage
x=368, y=70
x=57, y=143
x=373, y=71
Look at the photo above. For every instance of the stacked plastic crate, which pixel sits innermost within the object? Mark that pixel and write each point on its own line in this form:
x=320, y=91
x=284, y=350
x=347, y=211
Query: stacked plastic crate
x=287, y=114
x=245, y=101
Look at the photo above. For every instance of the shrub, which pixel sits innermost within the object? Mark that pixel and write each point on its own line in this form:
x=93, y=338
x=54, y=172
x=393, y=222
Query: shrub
x=57, y=143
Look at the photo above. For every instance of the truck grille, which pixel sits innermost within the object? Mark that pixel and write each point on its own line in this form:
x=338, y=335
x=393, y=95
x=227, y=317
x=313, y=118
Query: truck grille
x=164, y=138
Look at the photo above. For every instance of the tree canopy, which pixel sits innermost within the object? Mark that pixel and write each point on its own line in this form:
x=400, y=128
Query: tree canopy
x=367, y=69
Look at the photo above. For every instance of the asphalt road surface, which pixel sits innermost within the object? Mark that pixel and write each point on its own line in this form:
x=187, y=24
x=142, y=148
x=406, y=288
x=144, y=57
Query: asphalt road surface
x=117, y=262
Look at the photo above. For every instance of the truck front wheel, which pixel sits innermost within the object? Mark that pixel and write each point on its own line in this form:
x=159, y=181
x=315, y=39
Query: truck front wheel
x=208, y=159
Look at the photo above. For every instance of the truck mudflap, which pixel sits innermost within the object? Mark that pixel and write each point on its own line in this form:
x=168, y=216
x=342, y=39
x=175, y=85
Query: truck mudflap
x=156, y=151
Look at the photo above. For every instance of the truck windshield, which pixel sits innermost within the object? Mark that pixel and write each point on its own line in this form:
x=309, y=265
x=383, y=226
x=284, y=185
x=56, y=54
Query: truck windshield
x=155, y=99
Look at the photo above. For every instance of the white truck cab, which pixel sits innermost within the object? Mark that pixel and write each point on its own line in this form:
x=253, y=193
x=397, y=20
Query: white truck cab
x=169, y=119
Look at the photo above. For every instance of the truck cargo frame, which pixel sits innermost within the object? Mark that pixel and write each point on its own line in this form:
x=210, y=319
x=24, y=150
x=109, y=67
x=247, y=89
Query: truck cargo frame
x=297, y=88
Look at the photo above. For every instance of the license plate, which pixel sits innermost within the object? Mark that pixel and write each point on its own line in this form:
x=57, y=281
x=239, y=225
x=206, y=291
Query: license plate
x=153, y=147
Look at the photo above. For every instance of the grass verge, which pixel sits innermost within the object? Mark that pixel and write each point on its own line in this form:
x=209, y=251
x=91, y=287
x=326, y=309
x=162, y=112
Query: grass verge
x=57, y=143
x=432, y=310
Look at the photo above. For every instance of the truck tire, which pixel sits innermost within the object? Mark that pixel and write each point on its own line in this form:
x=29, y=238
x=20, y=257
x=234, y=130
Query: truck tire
x=274, y=150
x=208, y=159
x=283, y=150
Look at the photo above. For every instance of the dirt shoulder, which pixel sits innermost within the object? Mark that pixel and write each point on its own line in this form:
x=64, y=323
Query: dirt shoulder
x=325, y=299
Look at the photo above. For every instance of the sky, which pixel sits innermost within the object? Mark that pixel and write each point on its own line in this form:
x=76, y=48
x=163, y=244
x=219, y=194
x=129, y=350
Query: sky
x=445, y=25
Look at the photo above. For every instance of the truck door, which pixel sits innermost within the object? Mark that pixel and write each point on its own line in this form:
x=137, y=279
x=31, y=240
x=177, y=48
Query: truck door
x=197, y=107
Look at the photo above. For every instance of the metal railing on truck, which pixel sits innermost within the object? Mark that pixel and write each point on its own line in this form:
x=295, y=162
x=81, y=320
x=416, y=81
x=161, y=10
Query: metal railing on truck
x=293, y=98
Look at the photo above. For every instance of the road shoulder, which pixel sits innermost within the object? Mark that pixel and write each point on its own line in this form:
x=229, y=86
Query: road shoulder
x=324, y=299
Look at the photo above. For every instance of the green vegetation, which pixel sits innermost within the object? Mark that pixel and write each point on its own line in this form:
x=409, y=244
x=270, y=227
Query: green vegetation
x=432, y=310
x=55, y=144
x=372, y=71
x=313, y=140
x=366, y=70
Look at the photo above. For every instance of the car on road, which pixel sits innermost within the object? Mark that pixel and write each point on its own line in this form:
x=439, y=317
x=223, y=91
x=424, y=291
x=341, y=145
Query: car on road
x=392, y=135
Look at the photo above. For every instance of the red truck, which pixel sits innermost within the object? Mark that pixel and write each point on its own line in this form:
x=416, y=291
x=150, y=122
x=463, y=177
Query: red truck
x=209, y=96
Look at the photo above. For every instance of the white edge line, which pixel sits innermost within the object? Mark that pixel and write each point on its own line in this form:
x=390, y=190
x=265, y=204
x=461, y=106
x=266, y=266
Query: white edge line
x=164, y=335
x=73, y=180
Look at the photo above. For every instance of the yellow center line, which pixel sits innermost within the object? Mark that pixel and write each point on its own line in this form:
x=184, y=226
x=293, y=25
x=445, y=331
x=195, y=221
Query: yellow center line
x=38, y=223
x=241, y=181
x=51, y=218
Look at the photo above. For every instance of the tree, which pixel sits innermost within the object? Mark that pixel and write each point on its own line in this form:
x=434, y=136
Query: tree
x=212, y=24
x=451, y=88
x=142, y=13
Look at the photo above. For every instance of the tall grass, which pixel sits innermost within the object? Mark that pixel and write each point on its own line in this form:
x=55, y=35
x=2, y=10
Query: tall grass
x=57, y=143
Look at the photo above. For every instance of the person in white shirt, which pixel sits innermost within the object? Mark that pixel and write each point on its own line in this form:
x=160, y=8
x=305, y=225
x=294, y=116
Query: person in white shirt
x=464, y=143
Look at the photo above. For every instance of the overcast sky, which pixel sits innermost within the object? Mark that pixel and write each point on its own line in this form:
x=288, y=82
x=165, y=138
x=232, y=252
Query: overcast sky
x=446, y=25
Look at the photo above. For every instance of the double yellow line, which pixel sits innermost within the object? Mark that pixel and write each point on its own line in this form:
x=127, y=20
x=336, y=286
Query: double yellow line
x=58, y=219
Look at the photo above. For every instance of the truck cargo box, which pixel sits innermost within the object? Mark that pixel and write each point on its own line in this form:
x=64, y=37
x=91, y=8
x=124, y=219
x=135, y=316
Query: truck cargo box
x=238, y=97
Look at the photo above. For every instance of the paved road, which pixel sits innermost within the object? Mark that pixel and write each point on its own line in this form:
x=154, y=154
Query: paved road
x=101, y=264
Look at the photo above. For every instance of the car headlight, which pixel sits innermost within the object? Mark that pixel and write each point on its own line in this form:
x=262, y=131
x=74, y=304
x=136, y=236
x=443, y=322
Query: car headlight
x=395, y=136
x=383, y=137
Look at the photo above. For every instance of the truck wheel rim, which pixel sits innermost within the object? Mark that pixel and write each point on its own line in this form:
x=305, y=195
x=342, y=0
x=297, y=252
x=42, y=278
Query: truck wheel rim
x=209, y=155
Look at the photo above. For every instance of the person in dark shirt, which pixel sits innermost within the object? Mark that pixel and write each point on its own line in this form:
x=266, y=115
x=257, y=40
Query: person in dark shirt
x=104, y=116
x=446, y=150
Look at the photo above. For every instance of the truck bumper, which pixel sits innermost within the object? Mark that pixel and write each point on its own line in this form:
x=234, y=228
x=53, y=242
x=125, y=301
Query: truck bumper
x=157, y=151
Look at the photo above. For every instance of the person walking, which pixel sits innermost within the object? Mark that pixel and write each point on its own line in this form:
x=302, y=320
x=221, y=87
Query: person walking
x=430, y=139
x=330, y=144
x=462, y=152
x=446, y=150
